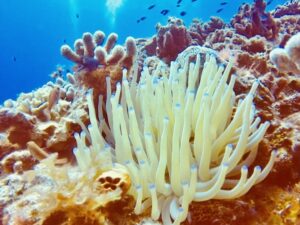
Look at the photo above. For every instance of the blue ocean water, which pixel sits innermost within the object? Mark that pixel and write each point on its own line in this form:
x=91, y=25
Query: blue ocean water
x=32, y=31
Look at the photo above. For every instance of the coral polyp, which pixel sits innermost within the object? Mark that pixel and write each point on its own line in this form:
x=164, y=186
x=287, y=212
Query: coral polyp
x=182, y=137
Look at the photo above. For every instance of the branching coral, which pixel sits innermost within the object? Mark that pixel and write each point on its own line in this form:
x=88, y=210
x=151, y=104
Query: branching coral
x=253, y=20
x=183, y=138
x=199, y=30
x=291, y=7
x=96, y=60
x=89, y=52
x=172, y=39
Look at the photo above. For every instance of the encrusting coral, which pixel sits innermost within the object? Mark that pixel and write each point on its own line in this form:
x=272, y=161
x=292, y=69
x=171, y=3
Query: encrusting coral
x=183, y=152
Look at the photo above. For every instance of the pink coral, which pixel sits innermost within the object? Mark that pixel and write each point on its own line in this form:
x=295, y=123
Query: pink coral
x=199, y=31
x=253, y=20
x=172, y=39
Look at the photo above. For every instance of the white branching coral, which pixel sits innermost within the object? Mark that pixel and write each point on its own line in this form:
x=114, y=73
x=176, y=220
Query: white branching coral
x=183, y=138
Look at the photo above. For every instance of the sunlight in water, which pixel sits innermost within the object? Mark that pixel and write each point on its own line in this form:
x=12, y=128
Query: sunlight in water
x=112, y=6
x=73, y=7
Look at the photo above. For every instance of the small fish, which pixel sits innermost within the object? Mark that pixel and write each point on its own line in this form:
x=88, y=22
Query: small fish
x=183, y=13
x=65, y=41
x=219, y=10
x=194, y=0
x=164, y=12
x=151, y=7
x=269, y=2
x=143, y=18
x=77, y=15
x=179, y=1
x=138, y=21
x=15, y=59
x=223, y=3
x=178, y=5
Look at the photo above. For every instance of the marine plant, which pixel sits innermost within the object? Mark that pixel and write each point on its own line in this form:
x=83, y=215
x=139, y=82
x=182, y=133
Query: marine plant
x=182, y=137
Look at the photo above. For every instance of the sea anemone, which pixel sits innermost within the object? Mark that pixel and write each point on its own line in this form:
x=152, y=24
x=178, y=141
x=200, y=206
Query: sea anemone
x=182, y=137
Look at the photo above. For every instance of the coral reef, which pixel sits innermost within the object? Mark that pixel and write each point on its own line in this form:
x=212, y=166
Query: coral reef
x=247, y=48
x=173, y=38
x=263, y=205
x=46, y=117
x=41, y=183
x=168, y=173
x=66, y=195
